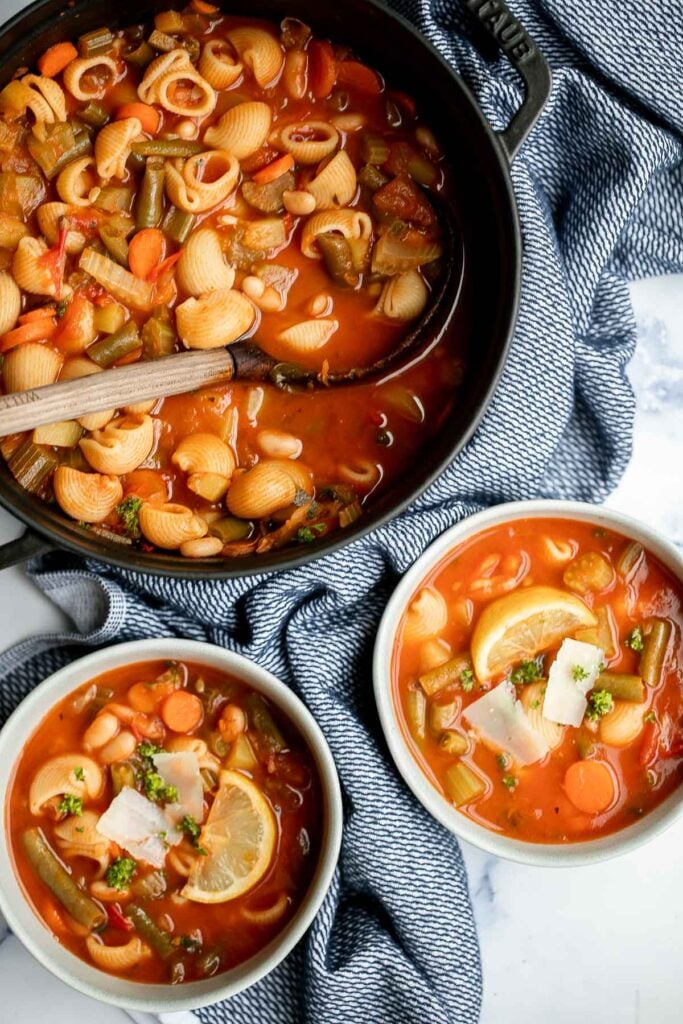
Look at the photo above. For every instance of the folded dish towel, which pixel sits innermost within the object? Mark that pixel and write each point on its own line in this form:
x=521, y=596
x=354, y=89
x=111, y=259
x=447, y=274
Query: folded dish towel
x=600, y=193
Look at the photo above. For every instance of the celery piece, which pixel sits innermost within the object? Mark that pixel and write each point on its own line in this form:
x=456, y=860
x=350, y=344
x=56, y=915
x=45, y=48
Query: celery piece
x=32, y=466
x=462, y=785
x=95, y=43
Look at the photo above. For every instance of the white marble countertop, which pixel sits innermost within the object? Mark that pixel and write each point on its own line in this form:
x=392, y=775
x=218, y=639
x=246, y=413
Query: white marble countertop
x=603, y=943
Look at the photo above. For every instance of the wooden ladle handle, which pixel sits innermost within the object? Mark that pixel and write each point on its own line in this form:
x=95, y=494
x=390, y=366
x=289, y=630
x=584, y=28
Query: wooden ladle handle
x=124, y=385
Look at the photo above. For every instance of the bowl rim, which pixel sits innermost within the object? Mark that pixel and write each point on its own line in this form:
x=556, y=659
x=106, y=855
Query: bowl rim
x=28, y=927
x=583, y=852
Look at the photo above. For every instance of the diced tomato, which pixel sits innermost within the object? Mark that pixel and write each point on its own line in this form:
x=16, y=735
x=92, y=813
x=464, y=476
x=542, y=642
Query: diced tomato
x=115, y=918
x=359, y=76
x=322, y=68
x=649, y=746
x=405, y=200
x=72, y=334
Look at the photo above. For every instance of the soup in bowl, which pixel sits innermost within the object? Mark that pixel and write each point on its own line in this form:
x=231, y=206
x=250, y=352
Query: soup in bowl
x=172, y=821
x=528, y=672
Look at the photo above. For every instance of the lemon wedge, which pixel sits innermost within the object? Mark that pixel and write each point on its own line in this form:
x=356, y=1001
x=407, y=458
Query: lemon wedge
x=519, y=625
x=239, y=837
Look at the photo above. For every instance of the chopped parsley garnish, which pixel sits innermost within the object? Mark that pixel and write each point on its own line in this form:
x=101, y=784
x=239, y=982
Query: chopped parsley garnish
x=579, y=673
x=467, y=679
x=192, y=830
x=70, y=804
x=535, y=704
x=635, y=639
x=129, y=514
x=502, y=761
x=509, y=781
x=599, y=703
x=79, y=773
x=61, y=308
x=190, y=944
x=147, y=749
x=120, y=872
x=157, y=790
x=650, y=717
x=527, y=672
x=306, y=534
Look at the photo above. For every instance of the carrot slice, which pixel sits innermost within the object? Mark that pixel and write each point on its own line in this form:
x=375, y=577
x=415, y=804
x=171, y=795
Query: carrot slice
x=359, y=76
x=56, y=58
x=182, y=711
x=322, y=68
x=34, y=330
x=145, y=252
x=165, y=265
x=38, y=314
x=149, y=117
x=274, y=170
x=589, y=786
x=148, y=485
x=203, y=8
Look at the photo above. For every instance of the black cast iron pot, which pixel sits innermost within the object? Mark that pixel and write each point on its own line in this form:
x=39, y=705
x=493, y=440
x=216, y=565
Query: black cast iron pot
x=487, y=212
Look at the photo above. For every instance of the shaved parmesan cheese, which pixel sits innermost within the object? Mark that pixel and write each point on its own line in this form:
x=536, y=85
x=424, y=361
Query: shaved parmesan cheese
x=181, y=769
x=571, y=676
x=501, y=723
x=139, y=826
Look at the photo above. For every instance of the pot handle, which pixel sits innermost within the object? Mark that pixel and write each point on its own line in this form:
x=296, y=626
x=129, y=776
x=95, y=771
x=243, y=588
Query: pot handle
x=511, y=37
x=22, y=548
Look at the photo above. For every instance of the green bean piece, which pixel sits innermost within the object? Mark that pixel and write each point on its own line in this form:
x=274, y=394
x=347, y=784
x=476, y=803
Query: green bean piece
x=152, y=887
x=141, y=56
x=374, y=149
x=178, y=225
x=93, y=44
x=122, y=776
x=108, y=350
x=167, y=147
x=229, y=529
x=150, y=205
x=463, y=785
x=422, y=170
x=372, y=177
x=264, y=724
x=449, y=674
x=54, y=875
x=338, y=259
x=116, y=243
x=32, y=466
x=416, y=711
x=82, y=147
x=59, y=140
x=652, y=658
x=115, y=199
x=623, y=687
x=159, y=940
x=629, y=558
x=158, y=338
x=135, y=163
x=94, y=114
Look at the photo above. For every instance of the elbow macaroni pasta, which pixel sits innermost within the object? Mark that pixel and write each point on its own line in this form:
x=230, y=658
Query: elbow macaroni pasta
x=201, y=182
x=241, y=130
x=202, y=267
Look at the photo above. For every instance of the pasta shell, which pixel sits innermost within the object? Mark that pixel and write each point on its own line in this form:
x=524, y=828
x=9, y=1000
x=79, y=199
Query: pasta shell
x=86, y=497
x=403, y=297
x=202, y=267
x=336, y=184
x=532, y=701
x=215, y=319
x=203, y=181
x=74, y=72
x=309, y=335
x=76, y=182
x=50, y=92
x=121, y=446
x=352, y=224
x=57, y=777
x=49, y=216
x=10, y=303
x=30, y=271
x=12, y=230
x=204, y=453
x=117, y=959
x=81, y=366
x=433, y=654
x=241, y=130
x=622, y=725
x=172, y=92
x=171, y=61
x=113, y=146
x=169, y=525
x=80, y=829
x=426, y=616
x=309, y=142
x=267, y=487
x=30, y=365
x=259, y=51
x=217, y=64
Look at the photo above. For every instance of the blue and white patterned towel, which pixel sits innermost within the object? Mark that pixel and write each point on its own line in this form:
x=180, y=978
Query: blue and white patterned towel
x=600, y=191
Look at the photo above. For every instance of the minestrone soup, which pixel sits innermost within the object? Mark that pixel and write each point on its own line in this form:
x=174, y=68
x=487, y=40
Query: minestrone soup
x=186, y=184
x=165, y=821
x=538, y=675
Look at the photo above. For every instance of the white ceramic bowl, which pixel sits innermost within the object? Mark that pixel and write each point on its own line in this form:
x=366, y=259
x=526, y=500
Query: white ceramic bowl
x=546, y=854
x=88, y=979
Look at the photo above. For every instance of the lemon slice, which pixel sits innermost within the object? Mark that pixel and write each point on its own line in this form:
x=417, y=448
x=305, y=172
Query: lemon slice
x=519, y=625
x=239, y=837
